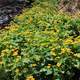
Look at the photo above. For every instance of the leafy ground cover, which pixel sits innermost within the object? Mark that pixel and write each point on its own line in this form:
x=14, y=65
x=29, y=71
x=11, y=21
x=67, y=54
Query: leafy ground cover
x=41, y=44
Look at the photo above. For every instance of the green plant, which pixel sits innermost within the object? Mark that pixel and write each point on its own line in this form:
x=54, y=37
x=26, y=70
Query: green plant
x=41, y=43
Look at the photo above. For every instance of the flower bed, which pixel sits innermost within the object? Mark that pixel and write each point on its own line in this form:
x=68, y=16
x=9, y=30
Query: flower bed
x=41, y=44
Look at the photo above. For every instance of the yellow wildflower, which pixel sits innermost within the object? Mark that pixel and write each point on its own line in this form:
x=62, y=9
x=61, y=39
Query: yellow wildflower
x=77, y=55
x=53, y=49
x=33, y=65
x=26, y=33
x=68, y=41
x=63, y=50
x=20, y=17
x=77, y=41
x=68, y=50
x=6, y=50
x=17, y=70
x=30, y=78
x=2, y=54
x=15, y=52
x=10, y=46
x=53, y=53
x=1, y=62
x=14, y=27
x=49, y=66
x=58, y=64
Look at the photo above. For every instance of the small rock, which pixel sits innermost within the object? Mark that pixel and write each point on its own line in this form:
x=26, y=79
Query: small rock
x=4, y=19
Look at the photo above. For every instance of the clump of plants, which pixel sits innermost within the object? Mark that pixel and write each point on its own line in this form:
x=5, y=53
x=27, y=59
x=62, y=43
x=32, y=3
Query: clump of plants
x=41, y=44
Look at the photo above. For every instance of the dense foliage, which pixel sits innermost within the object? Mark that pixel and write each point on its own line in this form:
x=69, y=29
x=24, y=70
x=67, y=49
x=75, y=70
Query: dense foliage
x=40, y=44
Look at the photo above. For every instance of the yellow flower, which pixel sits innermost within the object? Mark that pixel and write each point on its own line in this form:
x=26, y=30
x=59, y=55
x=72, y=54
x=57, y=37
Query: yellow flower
x=17, y=70
x=10, y=46
x=53, y=49
x=4, y=51
x=58, y=64
x=21, y=17
x=68, y=41
x=68, y=50
x=2, y=54
x=77, y=55
x=53, y=52
x=63, y=50
x=14, y=27
x=26, y=32
x=30, y=78
x=1, y=62
x=15, y=52
x=49, y=66
x=77, y=40
x=33, y=65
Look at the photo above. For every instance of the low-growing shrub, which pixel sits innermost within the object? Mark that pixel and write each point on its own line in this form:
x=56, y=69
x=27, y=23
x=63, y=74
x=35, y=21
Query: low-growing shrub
x=41, y=44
